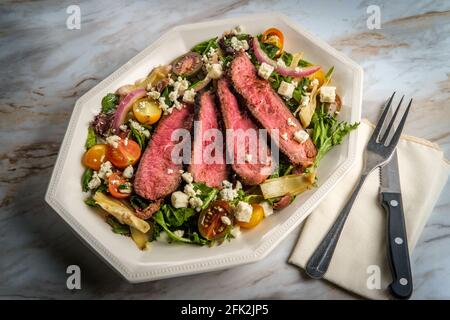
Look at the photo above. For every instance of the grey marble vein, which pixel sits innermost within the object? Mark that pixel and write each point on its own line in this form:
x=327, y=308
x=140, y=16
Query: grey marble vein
x=46, y=67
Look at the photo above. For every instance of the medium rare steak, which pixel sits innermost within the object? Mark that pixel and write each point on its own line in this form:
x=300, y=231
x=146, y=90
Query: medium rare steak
x=157, y=175
x=235, y=120
x=208, y=163
x=269, y=109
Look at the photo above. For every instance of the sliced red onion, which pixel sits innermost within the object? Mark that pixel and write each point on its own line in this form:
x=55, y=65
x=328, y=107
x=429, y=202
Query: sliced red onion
x=284, y=71
x=125, y=106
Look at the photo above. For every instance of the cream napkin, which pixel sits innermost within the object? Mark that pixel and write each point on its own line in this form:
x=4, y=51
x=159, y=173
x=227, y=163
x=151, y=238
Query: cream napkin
x=362, y=248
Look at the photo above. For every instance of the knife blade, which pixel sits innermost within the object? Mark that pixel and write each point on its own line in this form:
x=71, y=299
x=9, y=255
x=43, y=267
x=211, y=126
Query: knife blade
x=398, y=253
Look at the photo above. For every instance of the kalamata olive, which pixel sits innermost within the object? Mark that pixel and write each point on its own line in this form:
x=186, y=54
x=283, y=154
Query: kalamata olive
x=187, y=65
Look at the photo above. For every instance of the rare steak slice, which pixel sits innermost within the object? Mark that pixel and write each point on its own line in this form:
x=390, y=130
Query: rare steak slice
x=270, y=111
x=250, y=168
x=208, y=163
x=158, y=175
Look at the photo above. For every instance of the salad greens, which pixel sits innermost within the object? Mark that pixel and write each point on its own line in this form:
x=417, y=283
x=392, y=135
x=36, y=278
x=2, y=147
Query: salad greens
x=327, y=131
x=203, y=47
x=87, y=176
x=109, y=102
x=91, y=139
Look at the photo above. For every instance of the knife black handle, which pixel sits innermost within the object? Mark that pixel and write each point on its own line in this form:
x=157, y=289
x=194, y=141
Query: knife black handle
x=402, y=285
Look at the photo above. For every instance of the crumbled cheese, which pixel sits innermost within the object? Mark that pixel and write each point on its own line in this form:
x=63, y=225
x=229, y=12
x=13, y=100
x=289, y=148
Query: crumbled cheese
x=239, y=45
x=181, y=171
x=285, y=136
x=315, y=83
x=297, y=69
x=227, y=184
x=179, y=199
x=128, y=172
x=301, y=136
x=196, y=203
x=291, y=123
x=243, y=211
x=281, y=63
x=154, y=94
x=95, y=181
x=189, y=96
x=227, y=192
x=225, y=220
x=189, y=190
x=265, y=70
x=187, y=176
x=180, y=86
x=173, y=96
x=327, y=94
x=286, y=89
x=268, y=209
x=305, y=87
x=125, y=188
x=237, y=30
x=179, y=233
x=105, y=170
x=136, y=126
x=215, y=71
x=236, y=231
x=304, y=101
x=125, y=141
x=169, y=171
x=123, y=127
x=113, y=141
x=248, y=157
x=238, y=185
x=162, y=104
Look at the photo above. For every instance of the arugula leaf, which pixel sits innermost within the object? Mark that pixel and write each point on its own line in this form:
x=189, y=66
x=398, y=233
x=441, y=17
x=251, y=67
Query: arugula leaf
x=268, y=48
x=175, y=217
x=155, y=231
x=91, y=139
x=281, y=170
x=90, y=202
x=117, y=227
x=140, y=138
x=87, y=176
x=287, y=58
x=203, y=47
x=158, y=217
x=207, y=194
x=303, y=63
x=329, y=73
x=109, y=102
x=328, y=132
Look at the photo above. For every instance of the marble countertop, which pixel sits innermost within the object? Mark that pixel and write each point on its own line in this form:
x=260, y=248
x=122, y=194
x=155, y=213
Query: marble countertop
x=46, y=67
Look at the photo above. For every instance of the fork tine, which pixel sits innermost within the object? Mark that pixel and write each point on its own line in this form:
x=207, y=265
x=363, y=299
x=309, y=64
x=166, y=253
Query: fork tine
x=398, y=131
x=391, y=123
x=380, y=122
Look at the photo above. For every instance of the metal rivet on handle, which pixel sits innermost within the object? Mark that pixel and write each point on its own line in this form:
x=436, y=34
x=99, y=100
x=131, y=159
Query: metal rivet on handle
x=394, y=203
x=398, y=240
x=403, y=281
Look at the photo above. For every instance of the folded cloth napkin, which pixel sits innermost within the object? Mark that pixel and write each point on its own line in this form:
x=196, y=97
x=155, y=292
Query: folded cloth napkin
x=361, y=254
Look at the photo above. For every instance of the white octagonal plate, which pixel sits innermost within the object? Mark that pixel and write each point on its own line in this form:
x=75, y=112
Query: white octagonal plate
x=167, y=260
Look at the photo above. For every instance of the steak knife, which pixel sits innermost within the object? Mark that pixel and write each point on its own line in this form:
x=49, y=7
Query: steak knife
x=391, y=200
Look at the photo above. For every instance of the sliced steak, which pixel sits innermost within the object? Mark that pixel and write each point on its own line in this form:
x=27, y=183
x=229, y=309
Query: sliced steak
x=208, y=163
x=157, y=175
x=269, y=109
x=256, y=170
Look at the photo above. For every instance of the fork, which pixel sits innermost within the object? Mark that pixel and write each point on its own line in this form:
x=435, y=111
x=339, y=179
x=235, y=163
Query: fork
x=378, y=152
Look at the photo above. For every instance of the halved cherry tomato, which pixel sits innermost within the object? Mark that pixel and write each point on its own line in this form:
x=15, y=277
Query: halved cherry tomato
x=95, y=156
x=127, y=153
x=114, y=181
x=147, y=111
x=319, y=75
x=274, y=37
x=257, y=216
x=210, y=222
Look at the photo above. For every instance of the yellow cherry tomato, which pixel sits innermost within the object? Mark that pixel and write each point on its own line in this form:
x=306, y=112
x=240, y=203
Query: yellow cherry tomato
x=319, y=75
x=95, y=156
x=147, y=111
x=257, y=216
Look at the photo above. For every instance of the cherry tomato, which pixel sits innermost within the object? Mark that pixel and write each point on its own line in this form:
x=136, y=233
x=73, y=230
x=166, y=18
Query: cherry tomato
x=127, y=153
x=210, y=222
x=114, y=181
x=95, y=156
x=147, y=111
x=257, y=216
x=319, y=75
x=274, y=37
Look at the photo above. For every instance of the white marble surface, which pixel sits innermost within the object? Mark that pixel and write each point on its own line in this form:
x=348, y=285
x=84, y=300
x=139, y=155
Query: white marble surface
x=46, y=67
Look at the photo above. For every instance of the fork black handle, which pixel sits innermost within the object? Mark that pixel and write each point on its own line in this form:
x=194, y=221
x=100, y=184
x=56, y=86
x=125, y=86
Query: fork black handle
x=402, y=285
x=318, y=263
